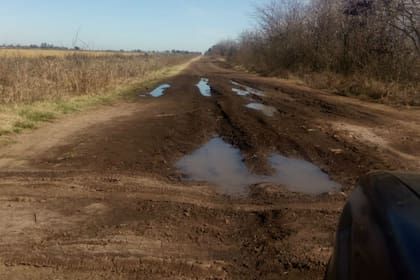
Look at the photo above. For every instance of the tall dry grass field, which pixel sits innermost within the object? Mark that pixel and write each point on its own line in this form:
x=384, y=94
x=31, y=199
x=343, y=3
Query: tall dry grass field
x=25, y=79
x=37, y=86
x=57, y=52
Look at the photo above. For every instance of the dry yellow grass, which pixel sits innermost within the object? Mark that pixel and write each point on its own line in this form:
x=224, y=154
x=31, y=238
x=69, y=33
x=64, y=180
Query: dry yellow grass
x=38, y=89
x=29, y=79
x=42, y=52
x=363, y=87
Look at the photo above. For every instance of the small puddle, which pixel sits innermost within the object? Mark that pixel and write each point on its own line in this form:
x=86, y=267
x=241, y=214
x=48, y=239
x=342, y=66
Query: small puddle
x=267, y=110
x=221, y=164
x=240, y=92
x=159, y=91
x=245, y=90
x=203, y=86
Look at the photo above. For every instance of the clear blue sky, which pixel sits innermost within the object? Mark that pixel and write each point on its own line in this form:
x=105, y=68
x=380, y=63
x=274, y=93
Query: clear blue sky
x=125, y=24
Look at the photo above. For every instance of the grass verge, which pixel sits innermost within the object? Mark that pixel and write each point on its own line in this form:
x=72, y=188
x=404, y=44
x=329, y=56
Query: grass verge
x=365, y=88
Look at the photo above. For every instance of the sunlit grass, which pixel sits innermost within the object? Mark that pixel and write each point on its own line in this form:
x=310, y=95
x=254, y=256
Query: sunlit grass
x=18, y=116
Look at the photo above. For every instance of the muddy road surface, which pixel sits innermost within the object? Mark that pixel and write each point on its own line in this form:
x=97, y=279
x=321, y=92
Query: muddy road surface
x=240, y=177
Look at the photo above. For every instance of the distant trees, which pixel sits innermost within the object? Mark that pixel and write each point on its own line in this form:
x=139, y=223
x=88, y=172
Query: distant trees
x=48, y=46
x=43, y=45
x=183, y=52
x=378, y=37
x=225, y=48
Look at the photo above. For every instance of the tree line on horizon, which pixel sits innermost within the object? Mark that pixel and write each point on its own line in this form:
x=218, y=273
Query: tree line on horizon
x=48, y=46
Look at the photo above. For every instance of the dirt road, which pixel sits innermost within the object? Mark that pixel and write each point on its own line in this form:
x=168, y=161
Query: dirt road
x=97, y=195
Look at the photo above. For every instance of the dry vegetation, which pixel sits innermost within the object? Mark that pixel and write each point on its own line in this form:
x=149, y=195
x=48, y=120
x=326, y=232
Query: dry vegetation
x=29, y=79
x=39, y=88
x=368, y=48
x=13, y=52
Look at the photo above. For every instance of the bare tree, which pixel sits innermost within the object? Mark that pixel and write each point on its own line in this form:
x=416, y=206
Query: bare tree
x=379, y=38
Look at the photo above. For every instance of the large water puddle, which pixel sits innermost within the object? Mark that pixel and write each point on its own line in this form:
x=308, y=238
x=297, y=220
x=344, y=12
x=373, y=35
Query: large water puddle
x=160, y=90
x=245, y=90
x=204, y=87
x=266, y=110
x=221, y=164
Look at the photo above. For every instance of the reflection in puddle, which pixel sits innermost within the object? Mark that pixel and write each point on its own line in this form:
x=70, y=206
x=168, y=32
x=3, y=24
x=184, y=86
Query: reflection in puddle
x=159, y=91
x=245, y=90
x=221, y=164
x=218, y=163
x=203, y=86
x=240, y=92
x=300, y=175
x=267, y=110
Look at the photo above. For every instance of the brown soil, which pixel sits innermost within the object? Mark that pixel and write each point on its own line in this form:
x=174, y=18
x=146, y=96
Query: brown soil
x=96, y=195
